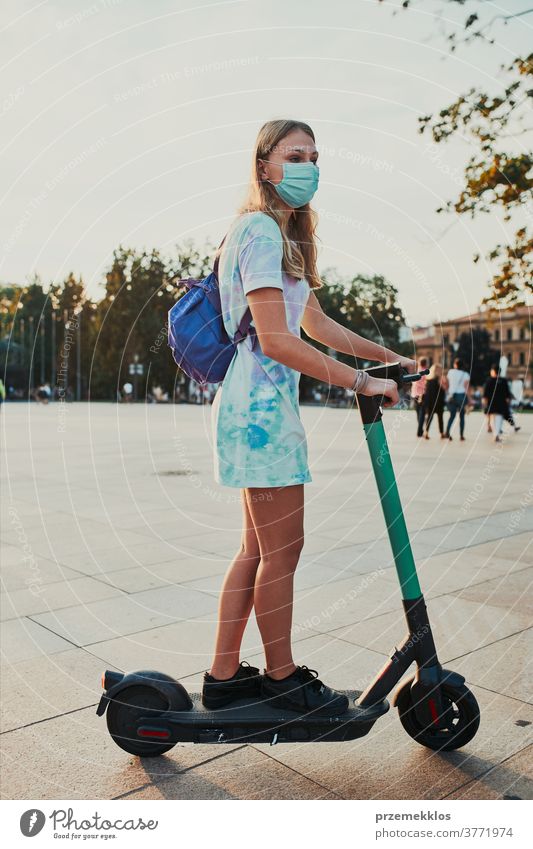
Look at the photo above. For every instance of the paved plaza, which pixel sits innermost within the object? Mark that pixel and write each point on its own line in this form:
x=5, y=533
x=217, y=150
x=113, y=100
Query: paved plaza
x=114, y=543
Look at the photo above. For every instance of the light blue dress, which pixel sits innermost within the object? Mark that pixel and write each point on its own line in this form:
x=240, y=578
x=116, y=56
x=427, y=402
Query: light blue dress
x=258, y=436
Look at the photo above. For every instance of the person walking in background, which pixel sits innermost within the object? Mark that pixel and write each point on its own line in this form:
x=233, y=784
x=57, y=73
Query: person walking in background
x=496, y=395
x=458, y=382
x=2, y=393
x=418, y=393
x=435, y=396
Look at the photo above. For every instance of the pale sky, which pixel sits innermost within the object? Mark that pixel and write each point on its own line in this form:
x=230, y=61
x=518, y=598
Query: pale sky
x=130, y=122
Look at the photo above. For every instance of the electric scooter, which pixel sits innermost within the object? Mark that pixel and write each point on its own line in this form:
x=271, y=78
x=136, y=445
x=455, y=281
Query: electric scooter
x=150, y=712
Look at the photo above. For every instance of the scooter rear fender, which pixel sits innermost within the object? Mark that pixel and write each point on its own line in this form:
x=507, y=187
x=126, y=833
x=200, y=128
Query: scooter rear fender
x=175, y=693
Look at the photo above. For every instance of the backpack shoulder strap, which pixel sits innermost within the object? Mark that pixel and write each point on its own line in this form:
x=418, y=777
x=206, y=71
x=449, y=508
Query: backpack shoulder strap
x=244, y=324
x=215, y=266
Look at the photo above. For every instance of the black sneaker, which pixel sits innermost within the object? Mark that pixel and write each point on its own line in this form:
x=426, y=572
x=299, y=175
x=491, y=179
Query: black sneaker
x=244, y=684
x=302, y=691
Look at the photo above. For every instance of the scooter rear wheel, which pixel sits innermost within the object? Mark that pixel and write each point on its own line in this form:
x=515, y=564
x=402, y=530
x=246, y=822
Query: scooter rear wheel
x=463, y=711
x=123, y=715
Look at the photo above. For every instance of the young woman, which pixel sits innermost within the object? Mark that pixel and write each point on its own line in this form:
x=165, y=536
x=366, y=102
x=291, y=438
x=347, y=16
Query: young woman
x=458, y=384
x=436, y=388
x=497, y=397
x=268, y=262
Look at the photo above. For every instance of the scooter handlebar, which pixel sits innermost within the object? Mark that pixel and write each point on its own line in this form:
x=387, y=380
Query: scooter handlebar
x=394, y=371
x=412, y=378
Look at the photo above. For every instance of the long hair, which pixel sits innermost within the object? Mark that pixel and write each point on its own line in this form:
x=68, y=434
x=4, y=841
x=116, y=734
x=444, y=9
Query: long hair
x=298, y=231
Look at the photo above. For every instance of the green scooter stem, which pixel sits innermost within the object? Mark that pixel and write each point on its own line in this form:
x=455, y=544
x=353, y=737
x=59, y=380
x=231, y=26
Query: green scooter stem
x=392, y=509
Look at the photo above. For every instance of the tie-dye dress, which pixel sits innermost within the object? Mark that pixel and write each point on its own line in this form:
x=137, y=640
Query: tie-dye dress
x=258, y=437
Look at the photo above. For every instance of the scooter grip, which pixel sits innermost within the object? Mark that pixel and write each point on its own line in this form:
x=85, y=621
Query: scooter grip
x=412, y=378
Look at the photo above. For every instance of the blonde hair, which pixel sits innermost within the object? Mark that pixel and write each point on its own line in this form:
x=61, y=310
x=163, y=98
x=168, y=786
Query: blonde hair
x=298, y=231
x=433, y=371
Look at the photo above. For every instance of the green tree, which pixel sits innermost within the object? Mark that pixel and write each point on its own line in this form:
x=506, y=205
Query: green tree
x=499, y=174
x=131, y=319
x=474, y=349
x=367, y=305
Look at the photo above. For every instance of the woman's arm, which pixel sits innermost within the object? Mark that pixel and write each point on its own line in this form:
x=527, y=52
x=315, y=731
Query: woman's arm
x=268, y=311
x=326, y=330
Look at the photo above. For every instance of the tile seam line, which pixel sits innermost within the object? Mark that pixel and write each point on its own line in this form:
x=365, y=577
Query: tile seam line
x=296, y=771
x=184, y=771
x=488, y=770
x=451, y=660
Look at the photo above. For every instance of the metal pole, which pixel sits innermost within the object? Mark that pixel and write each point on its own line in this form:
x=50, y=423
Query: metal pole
x=135, y=361
x=42, y=347
x=54, y=361
x=65, y=354
x=32, y=352
x=78, y=359
x=392, y=509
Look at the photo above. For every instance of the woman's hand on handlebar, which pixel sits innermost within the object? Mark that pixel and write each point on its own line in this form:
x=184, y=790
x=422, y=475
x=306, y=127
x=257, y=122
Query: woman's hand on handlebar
x=409, y=365
x=387, y=388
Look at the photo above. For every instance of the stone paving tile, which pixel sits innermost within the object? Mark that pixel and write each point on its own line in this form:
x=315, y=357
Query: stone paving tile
x=120, y=557
x=388, y=764
x=23, y=639
x=330, y=606
x=22, y=569
x=40, y=599
x=512, y=779
x=48, y=686
x=353, y=560
x=226, y=544
x=55, y=545
x=244, y=773
x=458, y=625
x=506, y=666
x=455, y=570
x=188, y=571
x=518, y=548
x=101, y=620
x=307, y=575
x=73, y=757
x=179, y=649
x=155, y=793
x=512, y=592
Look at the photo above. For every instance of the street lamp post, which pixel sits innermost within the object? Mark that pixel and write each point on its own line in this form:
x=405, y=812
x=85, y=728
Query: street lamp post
x=135, y=369
x=42, y=347
x=78, y=358
x=135, y=360
x=53, y=343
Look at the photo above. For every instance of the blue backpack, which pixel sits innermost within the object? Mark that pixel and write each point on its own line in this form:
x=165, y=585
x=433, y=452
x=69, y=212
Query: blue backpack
x=197, y=337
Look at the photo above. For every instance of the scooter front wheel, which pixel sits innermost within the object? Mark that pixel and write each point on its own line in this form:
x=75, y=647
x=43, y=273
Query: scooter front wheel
x=463, y=710
x=124, y=713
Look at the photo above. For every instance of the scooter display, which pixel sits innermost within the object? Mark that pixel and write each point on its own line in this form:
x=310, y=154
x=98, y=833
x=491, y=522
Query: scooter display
x=149, y=712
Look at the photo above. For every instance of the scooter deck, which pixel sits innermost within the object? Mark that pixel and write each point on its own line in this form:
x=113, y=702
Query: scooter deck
x=252, y=721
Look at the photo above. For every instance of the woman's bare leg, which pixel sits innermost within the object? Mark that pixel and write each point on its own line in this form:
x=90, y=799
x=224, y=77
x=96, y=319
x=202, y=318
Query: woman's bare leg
x=278, y=516
x=236, y=600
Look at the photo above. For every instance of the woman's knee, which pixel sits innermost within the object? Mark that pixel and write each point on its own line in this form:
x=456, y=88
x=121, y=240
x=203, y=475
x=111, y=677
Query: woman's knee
x=285, y=557
x=249, y=551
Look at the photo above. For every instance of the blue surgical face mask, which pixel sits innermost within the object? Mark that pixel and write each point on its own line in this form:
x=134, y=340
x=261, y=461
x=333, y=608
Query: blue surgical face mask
x=299, y=183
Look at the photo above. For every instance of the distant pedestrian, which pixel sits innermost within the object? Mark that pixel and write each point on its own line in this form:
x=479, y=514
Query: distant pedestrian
x=2, y=392
x=418, y=393
x=497, y=396
x=457, y=397
x=127, y=392
x=435, y=395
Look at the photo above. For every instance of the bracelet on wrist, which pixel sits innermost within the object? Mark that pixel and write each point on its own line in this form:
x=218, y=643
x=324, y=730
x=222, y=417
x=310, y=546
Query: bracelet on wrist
x=360, y=382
